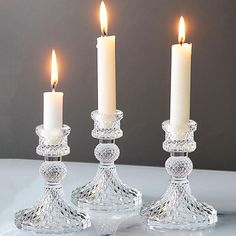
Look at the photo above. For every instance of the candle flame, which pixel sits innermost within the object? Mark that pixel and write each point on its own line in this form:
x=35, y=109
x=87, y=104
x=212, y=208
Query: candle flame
x=103, y=18
x=54, y=72
x=181, y=37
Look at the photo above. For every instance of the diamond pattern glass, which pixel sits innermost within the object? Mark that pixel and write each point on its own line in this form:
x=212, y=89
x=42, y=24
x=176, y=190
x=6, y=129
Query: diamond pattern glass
x=106, y=191
x=178, y=208
x=51, y=214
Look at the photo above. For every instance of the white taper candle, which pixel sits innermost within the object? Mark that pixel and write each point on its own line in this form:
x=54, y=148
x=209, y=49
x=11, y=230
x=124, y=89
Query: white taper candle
x=106, y=67
x=180, y=82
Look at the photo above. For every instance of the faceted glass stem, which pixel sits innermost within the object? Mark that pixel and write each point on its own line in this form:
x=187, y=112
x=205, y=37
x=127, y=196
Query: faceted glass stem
x=106, y=191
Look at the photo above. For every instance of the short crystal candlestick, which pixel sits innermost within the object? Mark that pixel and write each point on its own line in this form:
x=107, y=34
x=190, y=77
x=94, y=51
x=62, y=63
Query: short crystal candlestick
x=106, y=191
x=51, y=214
x=178, y=208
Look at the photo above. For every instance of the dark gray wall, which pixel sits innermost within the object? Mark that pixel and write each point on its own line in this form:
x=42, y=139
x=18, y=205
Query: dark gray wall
x=145, y=30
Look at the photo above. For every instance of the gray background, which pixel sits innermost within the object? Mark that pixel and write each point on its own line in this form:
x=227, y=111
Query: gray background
x=145, y=31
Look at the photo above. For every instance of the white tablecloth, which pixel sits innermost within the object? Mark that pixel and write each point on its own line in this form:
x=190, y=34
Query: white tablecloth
x=21, y=186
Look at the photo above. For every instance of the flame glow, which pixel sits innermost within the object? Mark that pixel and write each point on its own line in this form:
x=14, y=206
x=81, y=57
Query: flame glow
x=103, y=18
x=181, y=37
x=54, y=72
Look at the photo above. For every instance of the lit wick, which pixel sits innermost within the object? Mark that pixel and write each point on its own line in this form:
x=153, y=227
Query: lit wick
x=54, y=86
x=104, y=33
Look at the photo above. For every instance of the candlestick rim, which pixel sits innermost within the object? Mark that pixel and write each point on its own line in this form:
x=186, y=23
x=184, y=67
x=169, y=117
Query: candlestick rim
x=53, y=143
x=65, y=129
x=180, y=141
x=191, y=126
x=96, y=115
x=107, y=126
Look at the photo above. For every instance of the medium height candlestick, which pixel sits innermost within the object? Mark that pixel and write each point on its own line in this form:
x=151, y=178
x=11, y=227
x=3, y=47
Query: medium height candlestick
x=106, y=67
x=180, y=82
x=178, y=208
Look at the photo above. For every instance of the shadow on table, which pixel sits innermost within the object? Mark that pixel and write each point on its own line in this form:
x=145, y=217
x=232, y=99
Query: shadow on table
x=141, y=228
x=138, y=227
x=108, y=223
x=130, y=223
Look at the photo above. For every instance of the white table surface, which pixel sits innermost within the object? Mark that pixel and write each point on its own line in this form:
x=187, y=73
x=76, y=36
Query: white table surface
x=21, y=186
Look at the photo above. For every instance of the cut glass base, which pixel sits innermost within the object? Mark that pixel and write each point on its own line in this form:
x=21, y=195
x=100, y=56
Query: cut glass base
x=51, y=215
x=178, y=209
x=106, y=192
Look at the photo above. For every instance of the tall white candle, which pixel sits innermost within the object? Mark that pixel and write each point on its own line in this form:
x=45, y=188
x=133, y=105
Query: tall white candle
x=53, y=102
x=180, y=82
x=106, y=67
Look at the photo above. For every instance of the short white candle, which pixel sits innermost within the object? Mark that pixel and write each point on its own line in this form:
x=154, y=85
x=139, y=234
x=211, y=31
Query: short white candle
x=180, y=82
x=106, y=67
x=53, y=102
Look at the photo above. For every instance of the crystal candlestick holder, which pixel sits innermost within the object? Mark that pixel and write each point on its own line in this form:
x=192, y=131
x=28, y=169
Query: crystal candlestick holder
x=51, y=214
x=178, y=208
x=106, y=191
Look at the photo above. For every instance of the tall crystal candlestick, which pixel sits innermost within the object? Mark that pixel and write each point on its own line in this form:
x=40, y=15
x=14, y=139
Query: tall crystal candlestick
x=178, y=208
x=52, y=214
x=106, y=191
